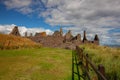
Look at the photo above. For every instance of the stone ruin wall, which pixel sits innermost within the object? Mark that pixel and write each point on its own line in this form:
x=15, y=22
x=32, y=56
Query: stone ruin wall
x=57, y=39
x=15, y=31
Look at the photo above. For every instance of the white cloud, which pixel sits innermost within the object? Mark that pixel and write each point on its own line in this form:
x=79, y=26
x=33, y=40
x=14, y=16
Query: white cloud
x=103, y=33
x=6, y=29
x=23, y=6
x=95, y=16
x=17, y=3
x=25, y=10
x=79, y=12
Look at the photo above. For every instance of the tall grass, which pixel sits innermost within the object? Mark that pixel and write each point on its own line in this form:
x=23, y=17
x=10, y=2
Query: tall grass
x=109, y=57
x=15, y=42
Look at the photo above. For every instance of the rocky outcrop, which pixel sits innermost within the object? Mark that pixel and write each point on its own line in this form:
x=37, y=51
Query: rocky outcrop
x=15, y=31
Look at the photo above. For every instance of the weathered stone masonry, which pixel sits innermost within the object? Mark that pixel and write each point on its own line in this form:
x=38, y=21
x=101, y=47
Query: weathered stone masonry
x=57, y=39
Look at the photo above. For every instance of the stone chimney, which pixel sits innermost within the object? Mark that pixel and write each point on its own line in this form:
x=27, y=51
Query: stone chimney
x=68, y=36
x=78, y=37
x=96, y=40
x=26, y=34
x=69, y=32
x=84, y=37
x=61, y=31
x=31, y=34
x=15, y=31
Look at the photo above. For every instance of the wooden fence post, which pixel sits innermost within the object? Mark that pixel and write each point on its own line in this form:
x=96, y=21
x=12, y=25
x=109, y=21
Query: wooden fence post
x=72, y=65
x=101, y=68
x=87, y=63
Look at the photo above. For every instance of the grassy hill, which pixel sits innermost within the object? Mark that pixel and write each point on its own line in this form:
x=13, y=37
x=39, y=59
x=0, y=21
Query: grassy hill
x=35, y=64
x=49, y=63
x=18, y=61
x=15, y=42
x=109, y=57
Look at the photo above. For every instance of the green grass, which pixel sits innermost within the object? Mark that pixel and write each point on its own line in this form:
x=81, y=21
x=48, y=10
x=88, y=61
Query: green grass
x=109, y=57
x=35, y=64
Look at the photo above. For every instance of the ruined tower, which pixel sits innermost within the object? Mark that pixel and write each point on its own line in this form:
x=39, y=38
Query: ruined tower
x=84, y=37
x=96, y=39
x=31, y=34
x=25, y=34
x=61, y=31
x=68, y=36
x=15, y=31
x=58, y=33
x=78, y=37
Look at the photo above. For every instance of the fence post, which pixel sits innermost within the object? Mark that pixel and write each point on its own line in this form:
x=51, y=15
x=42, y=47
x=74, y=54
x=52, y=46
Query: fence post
x=81, y=54
x=101, y=68
x=87, y=63
x=72, y=65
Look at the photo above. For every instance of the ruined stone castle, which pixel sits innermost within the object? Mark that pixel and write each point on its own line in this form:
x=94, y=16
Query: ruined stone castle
x=57, y=39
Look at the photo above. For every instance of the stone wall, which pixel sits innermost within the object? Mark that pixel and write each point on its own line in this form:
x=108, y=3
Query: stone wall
x=41, y=34
x=15, y=31
x=67, y=41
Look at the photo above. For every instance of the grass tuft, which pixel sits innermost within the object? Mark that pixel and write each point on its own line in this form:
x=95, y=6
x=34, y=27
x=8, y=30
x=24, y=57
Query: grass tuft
x=109, y=57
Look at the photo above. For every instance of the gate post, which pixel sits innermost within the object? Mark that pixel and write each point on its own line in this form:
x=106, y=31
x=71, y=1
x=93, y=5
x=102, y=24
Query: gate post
x=87, y=67
x=101, y=68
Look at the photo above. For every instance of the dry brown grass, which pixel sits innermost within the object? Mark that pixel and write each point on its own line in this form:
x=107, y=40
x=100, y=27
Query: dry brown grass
x=15, y=42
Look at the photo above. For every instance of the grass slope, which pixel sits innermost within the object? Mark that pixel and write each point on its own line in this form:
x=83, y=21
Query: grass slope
x=109, y=57
x=35, y=64
x=15, y=42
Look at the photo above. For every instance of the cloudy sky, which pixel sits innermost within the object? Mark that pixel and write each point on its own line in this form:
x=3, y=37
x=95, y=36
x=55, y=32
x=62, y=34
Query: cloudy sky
x=100, y=17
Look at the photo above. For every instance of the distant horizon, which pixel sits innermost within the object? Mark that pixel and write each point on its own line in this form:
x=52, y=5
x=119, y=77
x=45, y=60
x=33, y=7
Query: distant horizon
x=96, y=17
x=112, y=45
